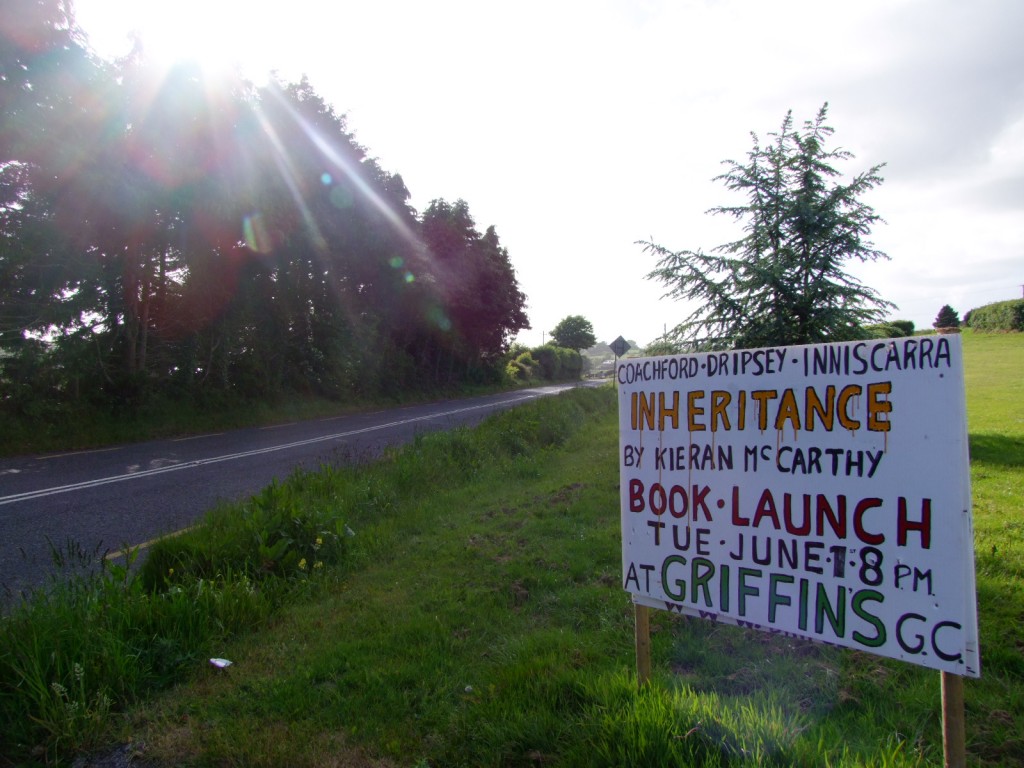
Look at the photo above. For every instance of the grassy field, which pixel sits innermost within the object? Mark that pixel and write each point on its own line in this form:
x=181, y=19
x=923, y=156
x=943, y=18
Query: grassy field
x=459, y=604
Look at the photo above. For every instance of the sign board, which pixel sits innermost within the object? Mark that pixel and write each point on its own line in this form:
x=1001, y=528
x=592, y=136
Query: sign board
x=818, y=491
x=620, y=346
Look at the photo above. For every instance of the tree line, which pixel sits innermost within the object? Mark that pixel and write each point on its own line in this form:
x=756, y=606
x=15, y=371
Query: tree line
x=162, y=233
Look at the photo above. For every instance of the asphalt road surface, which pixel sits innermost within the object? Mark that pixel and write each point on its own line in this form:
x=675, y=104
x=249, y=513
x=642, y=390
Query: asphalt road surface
x=126, y=496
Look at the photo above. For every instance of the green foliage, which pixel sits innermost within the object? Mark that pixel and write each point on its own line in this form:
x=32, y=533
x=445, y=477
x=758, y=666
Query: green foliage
x=516, y=373
x=662, y=346
x=947, y=318
x=74, y=654
x=274, y=534
x=783, y=282
x=1000, y=316
x=892, y=329
x=522, y=368
x=574, y=332
x=175, y=241
x=548, y=363
x=558, y=363
x=906, y=326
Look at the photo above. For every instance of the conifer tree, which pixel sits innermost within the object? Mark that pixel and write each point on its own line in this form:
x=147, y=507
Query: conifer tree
x=784, y=281
x=947, y=318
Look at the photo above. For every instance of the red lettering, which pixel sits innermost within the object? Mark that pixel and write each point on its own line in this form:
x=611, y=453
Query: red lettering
x=636, y=496
x=903, y=525
x=858, y=521
x=766, y=508
x=698, y=497
x=657, y=499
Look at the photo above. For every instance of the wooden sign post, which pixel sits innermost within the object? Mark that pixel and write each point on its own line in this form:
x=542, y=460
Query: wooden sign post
x=643, y=644
x=954, y=731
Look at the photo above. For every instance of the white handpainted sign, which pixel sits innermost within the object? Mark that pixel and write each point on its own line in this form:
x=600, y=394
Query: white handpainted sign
x=821, y=491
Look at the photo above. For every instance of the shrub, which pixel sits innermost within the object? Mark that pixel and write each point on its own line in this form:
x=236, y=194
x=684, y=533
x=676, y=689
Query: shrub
x=894, y=329
x=522, y=368
x=1000, y=316
x=907, y=326
x=547, y=361
x=571, y=363
x=558, y=363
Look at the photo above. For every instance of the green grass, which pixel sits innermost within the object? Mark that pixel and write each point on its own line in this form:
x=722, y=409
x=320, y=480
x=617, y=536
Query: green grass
x=476, y=617
x=994, y=375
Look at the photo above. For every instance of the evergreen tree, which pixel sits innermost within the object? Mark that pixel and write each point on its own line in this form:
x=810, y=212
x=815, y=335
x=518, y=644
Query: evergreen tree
x=783, y=282
x=947, y=318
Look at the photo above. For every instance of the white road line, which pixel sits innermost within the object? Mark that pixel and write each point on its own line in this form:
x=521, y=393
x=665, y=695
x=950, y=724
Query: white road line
x=76, y=453
x=196, y=437
x=43, y=492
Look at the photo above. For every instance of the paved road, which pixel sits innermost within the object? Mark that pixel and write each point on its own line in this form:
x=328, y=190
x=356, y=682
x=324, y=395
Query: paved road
x=128, y=495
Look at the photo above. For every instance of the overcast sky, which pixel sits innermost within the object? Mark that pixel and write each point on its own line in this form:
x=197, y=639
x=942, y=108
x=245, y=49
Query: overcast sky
x=578, y=127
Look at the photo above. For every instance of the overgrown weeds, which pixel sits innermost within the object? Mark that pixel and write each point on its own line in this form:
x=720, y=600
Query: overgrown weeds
x=94, y=641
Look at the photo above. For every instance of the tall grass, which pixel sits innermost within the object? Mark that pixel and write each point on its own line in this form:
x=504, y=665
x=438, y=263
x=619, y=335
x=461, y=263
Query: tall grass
x=85, y=647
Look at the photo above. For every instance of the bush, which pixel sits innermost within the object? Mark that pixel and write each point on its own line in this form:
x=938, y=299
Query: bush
x=547, y=361
x=894, y=329
x=558, y=363
x=1000, y=316
x=907, y=326
x=522, y=368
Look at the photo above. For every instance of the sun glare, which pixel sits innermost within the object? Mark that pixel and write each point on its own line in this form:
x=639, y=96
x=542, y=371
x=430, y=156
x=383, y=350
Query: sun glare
x=220, y=37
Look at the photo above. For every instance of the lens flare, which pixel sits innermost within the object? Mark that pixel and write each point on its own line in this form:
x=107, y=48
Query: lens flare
x=341, y=198
x=290, y=176
x=437, y=316
x=255, y=233
x=341, y=164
